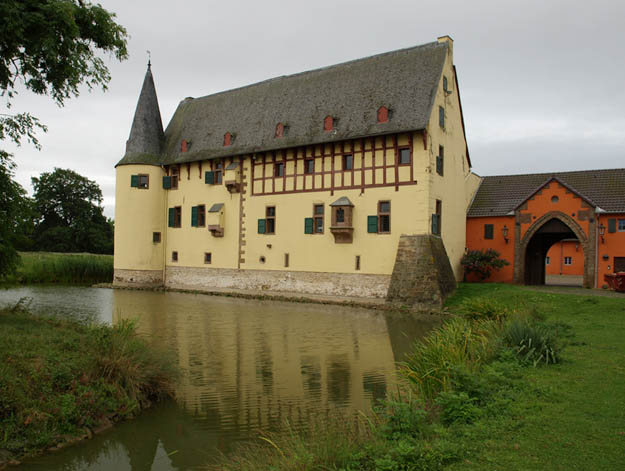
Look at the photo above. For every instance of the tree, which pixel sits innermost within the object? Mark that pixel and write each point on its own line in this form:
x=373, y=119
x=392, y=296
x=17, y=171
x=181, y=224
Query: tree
x=48, y=47
x=482, y=262
x=70, y=209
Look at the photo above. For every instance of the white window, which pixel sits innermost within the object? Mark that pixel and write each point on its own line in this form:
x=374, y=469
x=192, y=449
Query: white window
x=568, y=261
x=621, y=225
x=546, y=260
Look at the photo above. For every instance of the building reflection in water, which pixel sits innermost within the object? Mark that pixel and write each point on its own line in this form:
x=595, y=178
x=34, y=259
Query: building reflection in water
x=248, y=366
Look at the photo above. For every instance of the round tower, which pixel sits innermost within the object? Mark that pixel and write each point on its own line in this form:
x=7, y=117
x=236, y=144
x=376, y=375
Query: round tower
x=140, y=201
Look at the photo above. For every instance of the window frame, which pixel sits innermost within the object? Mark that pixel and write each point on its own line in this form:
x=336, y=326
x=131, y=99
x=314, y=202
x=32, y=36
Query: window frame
x=620, y=225
x=156, y=237
x=570, y=261
x=440, y=161
x=486, y=231
x=147, y=181
x=201, y=215
x=175, y=177
x=441, y=117
x=177, y=217
x=382, y=214
x=174, y=256
x=308, y=171
x=547, y=260
x=318, y=216
x=271, y=218
x=399, y=152
x=208, y=258
x=219, y=173
x=345, y=161
x=278, y=169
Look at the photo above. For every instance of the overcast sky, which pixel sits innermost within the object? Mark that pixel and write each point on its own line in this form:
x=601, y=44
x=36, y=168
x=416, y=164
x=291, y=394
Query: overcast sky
x=541, y=82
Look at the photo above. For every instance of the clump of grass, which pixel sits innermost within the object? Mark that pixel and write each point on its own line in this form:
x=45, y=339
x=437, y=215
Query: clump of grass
x=459, y=343
x=485, y=308
x=532, y=343
x=43, y=267
x=59, y=377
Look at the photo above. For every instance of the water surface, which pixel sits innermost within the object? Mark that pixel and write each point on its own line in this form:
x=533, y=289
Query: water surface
x=248, y=367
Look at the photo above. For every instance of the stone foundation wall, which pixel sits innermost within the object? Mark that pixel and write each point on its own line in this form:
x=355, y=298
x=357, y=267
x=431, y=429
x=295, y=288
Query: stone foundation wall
x=422, y=275
x=334, y=284
x=147, y=278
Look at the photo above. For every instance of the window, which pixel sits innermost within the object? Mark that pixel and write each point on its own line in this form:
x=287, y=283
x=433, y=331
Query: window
x=555, y=199
x=309, y=166
x=278, y=169
x=175, y=217
x=270, y=220
x=156, y=237
x=547, y=260
x=208, y=258
x=441, y=116
x=340, y=215
x=174, y=256
x=219, y=173
x=440, y=161
x=437, y=218
x=357, y=262
x=318, y=218
x=348, y=162
x=384, y=217
x=568, y=260
x=175, y=171
x=144, y=182
x=445, y=84
x=621, y=225
x=286, y=260
x=201, y=215
x=489, y=231
x=404, y=156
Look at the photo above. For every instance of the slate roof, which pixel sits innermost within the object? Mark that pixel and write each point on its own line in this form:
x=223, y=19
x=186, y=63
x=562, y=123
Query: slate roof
x=405, y=81
x=499, y=195
x=147, y=140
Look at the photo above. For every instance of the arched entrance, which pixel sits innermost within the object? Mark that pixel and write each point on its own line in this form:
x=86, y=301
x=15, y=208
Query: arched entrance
x=546, y=231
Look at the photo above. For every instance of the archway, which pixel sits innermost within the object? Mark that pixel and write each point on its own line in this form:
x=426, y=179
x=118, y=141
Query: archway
x=546, y=231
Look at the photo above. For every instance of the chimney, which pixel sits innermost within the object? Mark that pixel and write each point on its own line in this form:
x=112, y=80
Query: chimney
x=450, y=44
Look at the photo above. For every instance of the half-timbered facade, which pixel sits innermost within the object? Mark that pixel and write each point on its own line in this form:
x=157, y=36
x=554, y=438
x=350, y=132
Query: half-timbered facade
x=301, y=183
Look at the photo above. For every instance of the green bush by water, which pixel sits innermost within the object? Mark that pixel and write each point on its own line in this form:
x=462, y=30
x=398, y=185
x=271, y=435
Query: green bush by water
x=44, y=267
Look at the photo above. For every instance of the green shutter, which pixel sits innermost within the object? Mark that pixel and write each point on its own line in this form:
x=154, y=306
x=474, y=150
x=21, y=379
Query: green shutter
x=194, y=216
x=372, y=224
x=167, y=182
x=436, y=230
x=134, y=181
x=209, y=178
x=171, y=217
x=308, y=225
x=261, y=226
x=611, y=225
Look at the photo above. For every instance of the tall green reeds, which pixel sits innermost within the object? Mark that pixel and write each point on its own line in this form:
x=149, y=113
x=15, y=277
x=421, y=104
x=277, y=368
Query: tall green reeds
x=43, y=267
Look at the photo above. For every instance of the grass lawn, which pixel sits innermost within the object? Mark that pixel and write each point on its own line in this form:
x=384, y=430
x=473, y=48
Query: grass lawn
x=572, y=415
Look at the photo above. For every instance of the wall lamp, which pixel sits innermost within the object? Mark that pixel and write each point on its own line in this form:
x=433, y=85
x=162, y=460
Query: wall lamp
x=602, y=233
x=504, y=231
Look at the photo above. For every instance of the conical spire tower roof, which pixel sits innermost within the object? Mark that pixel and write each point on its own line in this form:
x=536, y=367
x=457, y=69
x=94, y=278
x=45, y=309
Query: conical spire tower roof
x=146, y=141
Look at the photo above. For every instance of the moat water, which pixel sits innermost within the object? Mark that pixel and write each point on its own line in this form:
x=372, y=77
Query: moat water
x=249, y=366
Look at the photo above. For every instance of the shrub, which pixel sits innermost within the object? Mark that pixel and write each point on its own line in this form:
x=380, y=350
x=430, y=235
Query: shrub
x=482, y=262
x=457, y=407
x=532, y=343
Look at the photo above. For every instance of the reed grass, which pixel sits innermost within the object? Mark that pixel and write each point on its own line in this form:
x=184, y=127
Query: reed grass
x=64, y=268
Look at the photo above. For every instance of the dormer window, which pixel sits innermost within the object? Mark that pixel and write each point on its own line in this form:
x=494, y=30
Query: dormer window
x=227, y=139
x=279, y=130
x=383, y=114
x=183, y=145
x=328, y=123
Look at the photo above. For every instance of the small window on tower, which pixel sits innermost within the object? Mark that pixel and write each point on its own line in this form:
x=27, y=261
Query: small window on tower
x=144, y=181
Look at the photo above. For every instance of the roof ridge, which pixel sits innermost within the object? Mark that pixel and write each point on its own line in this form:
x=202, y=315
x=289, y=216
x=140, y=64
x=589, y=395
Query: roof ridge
x=553, y=173
x=320, y=69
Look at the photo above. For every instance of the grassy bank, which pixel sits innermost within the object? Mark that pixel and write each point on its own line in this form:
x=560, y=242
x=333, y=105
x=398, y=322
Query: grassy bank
x=61, y=380
x=47, y=267
x=517, y=380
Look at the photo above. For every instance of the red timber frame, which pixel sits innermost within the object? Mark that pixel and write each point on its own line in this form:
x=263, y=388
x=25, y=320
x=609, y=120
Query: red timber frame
x=325, y=157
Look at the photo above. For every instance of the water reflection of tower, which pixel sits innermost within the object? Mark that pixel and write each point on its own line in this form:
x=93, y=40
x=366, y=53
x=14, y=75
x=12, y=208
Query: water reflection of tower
x=250, y=364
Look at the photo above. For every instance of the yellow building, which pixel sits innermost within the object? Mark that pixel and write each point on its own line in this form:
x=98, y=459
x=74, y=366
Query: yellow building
x=342, y=180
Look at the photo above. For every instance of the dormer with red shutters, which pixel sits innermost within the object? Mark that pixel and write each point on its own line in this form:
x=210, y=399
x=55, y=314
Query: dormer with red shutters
x=184, y=146
x=228, y=138
x=329, y=123
x=383, y=114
